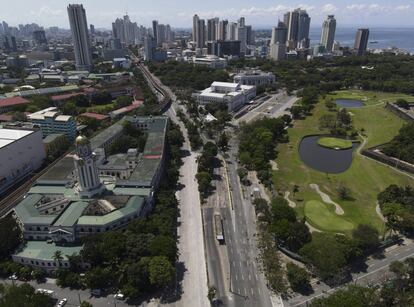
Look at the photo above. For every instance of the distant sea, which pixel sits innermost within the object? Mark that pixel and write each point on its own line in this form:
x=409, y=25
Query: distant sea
x=402, y=38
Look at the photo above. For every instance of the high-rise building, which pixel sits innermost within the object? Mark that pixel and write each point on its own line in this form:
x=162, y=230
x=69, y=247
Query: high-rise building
x=231, y=31
x=361, y=41
x=80, y=36
x=149, y=48
x=125, y=30
x=221, y=30
x=328, y=33
x=39, y=37
x=278, y=42
x=199, y=32
x=241, y=35
x=223, y=48
x=195, y=25
x=212, y=25
x=298, y=25
x=92, y=29
x=154, y=29
x=303, y=29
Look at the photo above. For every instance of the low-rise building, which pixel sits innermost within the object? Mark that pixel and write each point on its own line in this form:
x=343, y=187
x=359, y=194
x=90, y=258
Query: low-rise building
x=21, y=153
x=51, y=122
x=210, y=61
x=254, y=77
x=234, y=95
x=90, y=192
x=7, y=104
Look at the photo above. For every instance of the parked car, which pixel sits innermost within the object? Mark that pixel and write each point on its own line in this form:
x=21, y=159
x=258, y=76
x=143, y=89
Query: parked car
x=119, y=296
x=62, y=302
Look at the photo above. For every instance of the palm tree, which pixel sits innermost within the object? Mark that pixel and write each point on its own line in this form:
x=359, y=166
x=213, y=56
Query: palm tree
x=57, y=256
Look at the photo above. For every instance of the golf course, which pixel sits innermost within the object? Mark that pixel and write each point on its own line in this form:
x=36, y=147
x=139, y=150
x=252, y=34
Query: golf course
x=362, y=181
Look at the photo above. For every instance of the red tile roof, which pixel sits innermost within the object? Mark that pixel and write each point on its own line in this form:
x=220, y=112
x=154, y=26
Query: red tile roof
x=94, y=115
x=13, y=101
x=65, y=96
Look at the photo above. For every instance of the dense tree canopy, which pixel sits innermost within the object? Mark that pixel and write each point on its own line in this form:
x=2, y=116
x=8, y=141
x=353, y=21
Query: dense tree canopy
x=402, y=146
x=23, y=295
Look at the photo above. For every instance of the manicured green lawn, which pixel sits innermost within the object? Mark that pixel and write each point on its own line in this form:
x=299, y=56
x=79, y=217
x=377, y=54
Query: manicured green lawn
x=365, y=178
x=323, y=217
x=334, y=143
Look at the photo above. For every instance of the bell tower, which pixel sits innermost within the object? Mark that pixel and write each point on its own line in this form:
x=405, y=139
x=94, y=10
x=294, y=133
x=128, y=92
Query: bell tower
x=86, y=171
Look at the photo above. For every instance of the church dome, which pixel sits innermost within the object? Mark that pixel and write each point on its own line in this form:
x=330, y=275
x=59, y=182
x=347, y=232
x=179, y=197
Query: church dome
x=81, y=140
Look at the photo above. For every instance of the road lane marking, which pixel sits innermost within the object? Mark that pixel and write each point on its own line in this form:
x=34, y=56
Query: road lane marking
x=242, y=276
x=251, y=289
x=235, y=276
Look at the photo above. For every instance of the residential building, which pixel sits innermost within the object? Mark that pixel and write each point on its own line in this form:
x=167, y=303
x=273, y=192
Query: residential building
x=241, y=35
x=234, y=95
x=199, y=32
x=361, y=41
x=231, y=31
x=254, y=77
x=328, y=33
x=51, y=122
x=80, y=36
x=212, y=25
x=21, y=153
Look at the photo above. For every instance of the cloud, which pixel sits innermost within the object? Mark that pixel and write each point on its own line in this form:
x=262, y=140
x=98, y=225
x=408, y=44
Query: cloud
x=329, y=8
x=46, y=11
x=403, y=7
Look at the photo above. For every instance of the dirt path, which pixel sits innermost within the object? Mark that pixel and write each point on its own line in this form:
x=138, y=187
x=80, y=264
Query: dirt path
x=327, y=199
x=379, y=213
x=292, y=204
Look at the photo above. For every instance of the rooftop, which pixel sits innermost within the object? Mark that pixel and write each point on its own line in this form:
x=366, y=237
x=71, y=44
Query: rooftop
x=13, y=101
x=71, y=215
x=42, y=250
x=134, y=205
x=28, y=213
x=96, y=116
x=8, y=136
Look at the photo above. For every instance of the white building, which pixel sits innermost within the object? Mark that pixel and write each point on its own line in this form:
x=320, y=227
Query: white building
x=50, y=121
x=211, y=61
x=254, y=77
x=232, y=94
x=328, y=33
x=21, y=152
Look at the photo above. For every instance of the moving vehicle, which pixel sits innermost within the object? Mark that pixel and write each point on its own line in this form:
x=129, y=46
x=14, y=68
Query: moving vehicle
x=119, y=296
x=62, y=302
x=45, y=291
x=218, y=228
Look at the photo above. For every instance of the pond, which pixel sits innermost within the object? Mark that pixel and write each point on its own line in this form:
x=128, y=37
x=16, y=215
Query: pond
x=349, y=103
x=324, y=159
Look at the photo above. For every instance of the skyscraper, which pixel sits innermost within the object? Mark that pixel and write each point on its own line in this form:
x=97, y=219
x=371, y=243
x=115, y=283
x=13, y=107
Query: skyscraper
x=200, y=38
x=278, y=42
x=212, y=24
x=241, y=35
x=298, y=25
x=80, y=36
x=303, y=29
x=328, y=33
x=361, y=41
x=221, y=30
x=154, y=29
x=195, y=25
x=231, y=31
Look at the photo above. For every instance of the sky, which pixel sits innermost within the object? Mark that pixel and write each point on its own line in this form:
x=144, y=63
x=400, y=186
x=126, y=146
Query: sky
x=178, y=13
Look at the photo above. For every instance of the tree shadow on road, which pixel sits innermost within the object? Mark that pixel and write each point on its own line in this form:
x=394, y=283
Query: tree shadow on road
x=174, y=293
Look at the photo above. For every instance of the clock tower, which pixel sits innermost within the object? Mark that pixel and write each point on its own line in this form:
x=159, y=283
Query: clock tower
x=86, y=171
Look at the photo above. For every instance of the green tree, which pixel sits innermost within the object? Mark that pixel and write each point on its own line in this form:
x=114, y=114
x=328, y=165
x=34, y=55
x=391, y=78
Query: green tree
x=223, y=141
x=10, y=236
x=366, y=236
x=58, y=257
x=23, y=295
x=355, y=296
x=123, y=101
x=161, y=272
x=86, y=304
x=402, y=103
x=164, y=246
x=299, y=278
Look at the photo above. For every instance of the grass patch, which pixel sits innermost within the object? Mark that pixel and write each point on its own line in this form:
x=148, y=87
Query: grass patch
x=323, y=217
x=365, y=178
x=334, y=143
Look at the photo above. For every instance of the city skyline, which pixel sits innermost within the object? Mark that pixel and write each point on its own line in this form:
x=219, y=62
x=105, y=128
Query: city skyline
x=179, y=14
